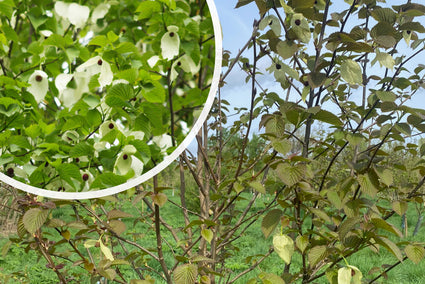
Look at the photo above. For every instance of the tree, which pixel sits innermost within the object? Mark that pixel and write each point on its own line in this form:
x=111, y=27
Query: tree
x=340, y=194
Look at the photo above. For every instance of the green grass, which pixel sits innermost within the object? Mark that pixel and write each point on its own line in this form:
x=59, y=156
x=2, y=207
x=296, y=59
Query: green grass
x=22, y=267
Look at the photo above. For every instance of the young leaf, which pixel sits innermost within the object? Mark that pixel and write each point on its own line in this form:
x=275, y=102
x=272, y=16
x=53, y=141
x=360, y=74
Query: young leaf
x=106, y=251
x=34, y=218
x=302, y=242
x=159, y=198
x=207, y=235
x=351, y=72
x=185, y=274
x=415, y=252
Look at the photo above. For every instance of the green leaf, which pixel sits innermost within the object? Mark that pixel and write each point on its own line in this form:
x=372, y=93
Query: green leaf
x=386, y=177
x=108, y=180
x=270, y=278
x=283, y=146
x=302, y=4
x=81, y=149
x=316, y=254
x=55, y=40
x=67, y=172
x=185, y=274
x=126, y=47
x=400, y=207
x=302, y=242
x=390, y=246
x=270, y=222
x=99, y=40
x=384, y=59
x=367, y=186
x=34, y=218
x=123, y=91
x=10, y=33
x=207, y=235
x=117, y=214
x=159, y=198
x=351, y=72
x=289, y=174
x=414, y=252
x=257, y=186
x=386, y=96
x=382, y=224
x=286, y=49
x=327, y=117
x=106, y=251
x=284, y=247
x=118, y=226
x=243, y=3
x=154, y=93
x=413, y=26
x=384, y=15
x=146, y=9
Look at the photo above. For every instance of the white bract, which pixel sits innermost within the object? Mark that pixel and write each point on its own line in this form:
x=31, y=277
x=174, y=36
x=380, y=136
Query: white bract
x=76, y=14
x=186, y=63
x=126, y=161
x=349, y=274
x=70, y=96
x=170, y=43
x=39, y=85
x=99, y=12
x=164, y=142
x=96, y=65
x=46, y=33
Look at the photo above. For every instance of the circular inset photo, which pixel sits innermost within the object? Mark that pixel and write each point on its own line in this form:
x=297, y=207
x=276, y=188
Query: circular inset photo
x=96, y=97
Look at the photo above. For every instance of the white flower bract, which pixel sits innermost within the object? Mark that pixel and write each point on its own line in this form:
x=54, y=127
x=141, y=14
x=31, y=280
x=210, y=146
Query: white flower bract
x=76, y=14
x=39, y=85
x=170, y=43
x=96, y=65
x=99, y=12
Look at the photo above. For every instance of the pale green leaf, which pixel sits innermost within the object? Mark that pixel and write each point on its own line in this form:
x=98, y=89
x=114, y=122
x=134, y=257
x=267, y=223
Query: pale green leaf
x=351, y=72
x=106, y=251
x=284, y=247
x=415, y=252
x=207, y=234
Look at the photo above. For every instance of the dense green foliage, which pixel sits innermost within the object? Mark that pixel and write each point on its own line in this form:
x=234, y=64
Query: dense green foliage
x=93, y=94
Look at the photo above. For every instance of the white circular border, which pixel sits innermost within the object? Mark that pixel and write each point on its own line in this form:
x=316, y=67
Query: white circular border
x=167, y=160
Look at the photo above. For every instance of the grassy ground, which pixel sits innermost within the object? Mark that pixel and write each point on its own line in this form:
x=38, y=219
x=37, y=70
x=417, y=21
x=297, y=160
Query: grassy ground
x=18, y=266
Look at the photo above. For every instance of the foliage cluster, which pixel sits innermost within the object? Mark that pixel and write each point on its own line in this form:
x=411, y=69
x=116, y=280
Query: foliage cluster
x=94, y=94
